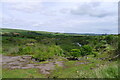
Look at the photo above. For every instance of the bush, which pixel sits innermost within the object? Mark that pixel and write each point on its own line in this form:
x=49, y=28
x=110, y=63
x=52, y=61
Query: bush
x=111, y=39
x=47, y=52
x=95, y=54
x=25, y=50
x=83, y=51
x=42, y=55
x=75, y=53
x=86, y=50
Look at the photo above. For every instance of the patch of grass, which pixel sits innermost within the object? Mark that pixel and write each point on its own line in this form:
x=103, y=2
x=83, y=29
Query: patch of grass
x=104, y=71
x=98, y=69
x=42, y=62
x=0, y=72
x=22, y=73
x=107, y=71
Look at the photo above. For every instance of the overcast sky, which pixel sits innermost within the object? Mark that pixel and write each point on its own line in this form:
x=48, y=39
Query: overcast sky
x=67, y=16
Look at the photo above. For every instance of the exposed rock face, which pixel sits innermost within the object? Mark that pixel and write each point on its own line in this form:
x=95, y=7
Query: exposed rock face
x=25, y=62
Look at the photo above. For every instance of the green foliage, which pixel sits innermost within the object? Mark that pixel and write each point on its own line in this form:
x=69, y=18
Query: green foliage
x=35, y=42
x=86, y=50
x=83, y=51
x=48, y=45
x=21, y=73
x=102, y=70
x=47, y=52
x=25, y=50
x=95, y=54
x=107, y=71
x=112, y=40
x=75, y=53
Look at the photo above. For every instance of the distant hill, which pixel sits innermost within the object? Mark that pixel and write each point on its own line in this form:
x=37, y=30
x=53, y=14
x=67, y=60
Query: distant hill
x=92, y=34
x=4, y=30
x=7, y=30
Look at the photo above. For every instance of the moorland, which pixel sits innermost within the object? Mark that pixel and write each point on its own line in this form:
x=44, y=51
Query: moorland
x=40, y=54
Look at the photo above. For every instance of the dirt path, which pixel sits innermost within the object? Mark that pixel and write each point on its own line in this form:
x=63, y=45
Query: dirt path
x=25, y=62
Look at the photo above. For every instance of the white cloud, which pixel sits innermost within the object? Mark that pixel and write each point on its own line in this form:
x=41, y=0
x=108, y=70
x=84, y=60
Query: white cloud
x=26, y=6
x=21, y=5
x=17, y=1
x=95, y=9
x=13, y=1
x=56, y=16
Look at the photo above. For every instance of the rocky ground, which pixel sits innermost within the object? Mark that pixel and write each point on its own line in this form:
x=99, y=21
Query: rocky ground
x=26, y=62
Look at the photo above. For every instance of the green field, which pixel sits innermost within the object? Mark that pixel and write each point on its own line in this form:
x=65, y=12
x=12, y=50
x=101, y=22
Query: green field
x=81, y=56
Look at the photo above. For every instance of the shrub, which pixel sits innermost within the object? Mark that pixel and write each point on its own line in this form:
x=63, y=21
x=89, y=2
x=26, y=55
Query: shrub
x=42, y=55
x=56, y=50
x=83, y=51
x=47, y=52
x=25, y=50
x=86, y=50
x=95, y=54
x=111, y=39
x=75, y=53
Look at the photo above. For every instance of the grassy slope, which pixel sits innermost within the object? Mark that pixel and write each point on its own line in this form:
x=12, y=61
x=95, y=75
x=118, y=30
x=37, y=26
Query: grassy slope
x=98, y=69
x=105, y=69
x=4, y=30
x=22, y=73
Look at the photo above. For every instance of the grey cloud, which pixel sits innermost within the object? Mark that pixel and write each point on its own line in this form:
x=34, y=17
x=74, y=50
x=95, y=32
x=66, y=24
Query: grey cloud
x=111, y=30
x=106, y=30
x=91, y=9
x=61, y=17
